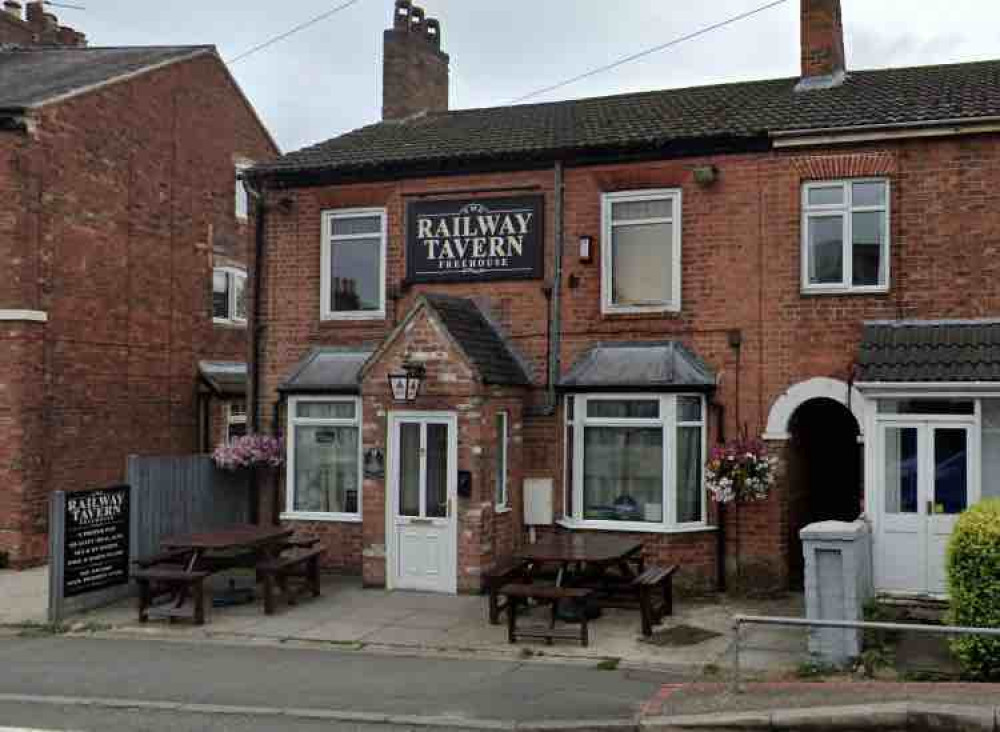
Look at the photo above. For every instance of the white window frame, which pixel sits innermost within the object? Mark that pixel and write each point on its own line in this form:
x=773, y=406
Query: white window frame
x=233, y=418
x=501, y=488
x=326, y=246
x=294, y=421
x=669, y=423
x=673, y=305
x=241, y=203
x=233, y=274
x=846, y=210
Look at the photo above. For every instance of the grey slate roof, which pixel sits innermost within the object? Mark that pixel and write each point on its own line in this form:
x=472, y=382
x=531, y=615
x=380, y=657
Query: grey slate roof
x=226, y=378
x=328, y=370
x=662, y=365
x=30, y=76
x=930, y=351
x=479, y=339
x=654, y=120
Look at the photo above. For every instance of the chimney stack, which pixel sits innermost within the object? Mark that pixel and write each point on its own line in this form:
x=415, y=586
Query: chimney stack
x=414, y=68
x=12, y=8
x=824, y=62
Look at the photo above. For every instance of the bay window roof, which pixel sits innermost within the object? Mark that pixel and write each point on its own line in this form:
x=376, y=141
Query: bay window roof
x=930, y=351
x=328, y=370
x=658, y=366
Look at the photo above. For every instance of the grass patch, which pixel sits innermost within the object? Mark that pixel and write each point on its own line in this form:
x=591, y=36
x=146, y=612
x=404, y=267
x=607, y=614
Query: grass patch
x=814, y=671
x=609, y=664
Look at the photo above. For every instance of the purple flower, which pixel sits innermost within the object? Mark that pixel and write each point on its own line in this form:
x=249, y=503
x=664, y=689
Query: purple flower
x=250, y=451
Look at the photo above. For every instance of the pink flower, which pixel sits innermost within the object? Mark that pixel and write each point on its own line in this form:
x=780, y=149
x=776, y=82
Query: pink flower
x=250, y=451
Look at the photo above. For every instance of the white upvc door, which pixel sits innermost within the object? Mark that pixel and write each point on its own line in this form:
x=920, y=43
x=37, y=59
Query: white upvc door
x=926, y=479
x=421, y=521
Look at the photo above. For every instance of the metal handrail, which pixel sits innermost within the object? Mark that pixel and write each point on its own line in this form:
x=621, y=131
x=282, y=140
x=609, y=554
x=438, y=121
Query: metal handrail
x=741, y=620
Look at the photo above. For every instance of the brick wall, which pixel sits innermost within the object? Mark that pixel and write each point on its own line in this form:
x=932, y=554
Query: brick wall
x=741, y=271
x=125, y=194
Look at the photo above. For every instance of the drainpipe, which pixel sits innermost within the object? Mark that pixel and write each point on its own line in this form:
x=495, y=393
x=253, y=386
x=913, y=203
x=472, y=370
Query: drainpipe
x=555, y=312
x=253, y=413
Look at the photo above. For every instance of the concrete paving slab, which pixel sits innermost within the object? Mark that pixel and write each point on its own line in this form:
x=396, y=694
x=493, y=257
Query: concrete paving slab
x=25, y=596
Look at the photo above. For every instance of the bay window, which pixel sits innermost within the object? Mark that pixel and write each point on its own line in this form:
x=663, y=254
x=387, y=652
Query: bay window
x=324, y=466
x=845, y=236
x=635, y=462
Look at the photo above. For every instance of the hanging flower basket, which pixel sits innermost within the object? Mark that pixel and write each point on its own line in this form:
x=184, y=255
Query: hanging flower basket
x=740, y=471
x=250, y=451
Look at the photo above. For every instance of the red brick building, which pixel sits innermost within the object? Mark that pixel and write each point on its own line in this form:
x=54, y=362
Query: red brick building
x=118, y=199
x=595, y=292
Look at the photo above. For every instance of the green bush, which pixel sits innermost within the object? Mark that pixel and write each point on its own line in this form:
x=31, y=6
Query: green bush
x=974, y=586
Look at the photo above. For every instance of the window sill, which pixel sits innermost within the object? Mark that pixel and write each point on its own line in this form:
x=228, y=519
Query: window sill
x=232, y=324
x=634, y=528
x=610, y=312
x=807, y=291
x=338, y=317
x=502, y=509
x=331, y=518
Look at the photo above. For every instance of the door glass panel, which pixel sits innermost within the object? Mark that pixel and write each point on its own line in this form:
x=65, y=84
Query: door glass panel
x=437, y=470
x=951, y=468
x=901, y=470
x=409, y=469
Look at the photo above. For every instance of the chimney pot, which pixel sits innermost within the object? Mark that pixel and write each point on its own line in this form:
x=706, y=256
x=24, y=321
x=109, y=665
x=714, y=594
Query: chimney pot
x=417, y=20
x=401, y=18
x=824, y=61
x=434, y=31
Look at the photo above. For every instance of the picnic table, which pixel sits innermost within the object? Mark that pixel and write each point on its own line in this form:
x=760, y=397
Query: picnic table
x=262, y=540
x=596, y=552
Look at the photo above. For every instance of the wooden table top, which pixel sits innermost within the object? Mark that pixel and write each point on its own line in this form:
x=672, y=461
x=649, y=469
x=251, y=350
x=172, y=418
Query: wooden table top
x=231, y=537
x=580, y=548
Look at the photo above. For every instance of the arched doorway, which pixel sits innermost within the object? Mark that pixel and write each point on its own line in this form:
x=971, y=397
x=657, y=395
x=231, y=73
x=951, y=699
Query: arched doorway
x=824, y=471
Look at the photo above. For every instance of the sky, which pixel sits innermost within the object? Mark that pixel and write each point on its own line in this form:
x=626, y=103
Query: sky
x=326, y=80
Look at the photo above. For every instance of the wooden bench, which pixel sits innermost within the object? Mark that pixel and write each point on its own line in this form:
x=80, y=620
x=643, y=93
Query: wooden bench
x=302, y=565
x=505, y=574
x=168, y=559
x=176, y=584
x=516, y=593
x=656, y=596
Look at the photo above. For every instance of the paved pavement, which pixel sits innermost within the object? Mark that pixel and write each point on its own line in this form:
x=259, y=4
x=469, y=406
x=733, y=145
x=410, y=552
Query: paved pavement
x=25, y=596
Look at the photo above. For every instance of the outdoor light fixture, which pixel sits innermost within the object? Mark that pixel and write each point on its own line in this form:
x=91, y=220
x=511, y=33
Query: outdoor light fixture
x=706, y=175
x=586, y=249
x=406, y=385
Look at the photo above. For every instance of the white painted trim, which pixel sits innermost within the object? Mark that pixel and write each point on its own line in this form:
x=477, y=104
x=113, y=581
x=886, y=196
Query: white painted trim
x=24, y=316
x=929, y=389
x=326, y=311
x=795, y=139
x=607, y=258
x=233, y=275
x=503, y=445
x=819, y=388
x=846, y=211
x=634, y=527
x=292, y=422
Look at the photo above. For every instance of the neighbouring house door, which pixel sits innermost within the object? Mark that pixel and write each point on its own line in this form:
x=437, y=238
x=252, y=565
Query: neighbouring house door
x=926, y=482
x=423, y=486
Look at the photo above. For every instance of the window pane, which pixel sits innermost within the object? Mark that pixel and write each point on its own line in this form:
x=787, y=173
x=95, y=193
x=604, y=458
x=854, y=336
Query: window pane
x=623, y=409
x=437, y=470
x=689, y=461
x=869, y=193
x=833, y=196
x=220, y=295
x=901, y=466
x=240, y=298
x=326, y=410
x=568, y=506
x=326, y=469
x=869, y=236
x=991, y=448
x=242, y=199
x=662, y=208
x=642, y=264
x=826, y=250
x=356, y=274
x=623, y=474
x=409, y=469
x=238, y=409
x=501, y=459
x=926, y=406
x=356, y=225
x=951, y=471
x=689, y=409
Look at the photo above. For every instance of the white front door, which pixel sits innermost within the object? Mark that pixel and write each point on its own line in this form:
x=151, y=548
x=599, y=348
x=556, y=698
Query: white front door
x=423, y=456
x=926, y=481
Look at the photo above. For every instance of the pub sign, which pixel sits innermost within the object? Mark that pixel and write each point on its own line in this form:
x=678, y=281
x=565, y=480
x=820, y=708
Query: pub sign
x=474, y=240
x=97, y=540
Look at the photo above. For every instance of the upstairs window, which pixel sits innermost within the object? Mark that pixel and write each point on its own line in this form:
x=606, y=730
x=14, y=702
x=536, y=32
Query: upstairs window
x=242, y=194
x=353, y=264
x=229, y=306
x=641, y=252
x=845, y=236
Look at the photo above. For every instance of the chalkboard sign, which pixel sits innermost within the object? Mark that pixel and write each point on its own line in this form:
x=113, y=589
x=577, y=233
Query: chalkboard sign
x=97, y=540
x=470, y=240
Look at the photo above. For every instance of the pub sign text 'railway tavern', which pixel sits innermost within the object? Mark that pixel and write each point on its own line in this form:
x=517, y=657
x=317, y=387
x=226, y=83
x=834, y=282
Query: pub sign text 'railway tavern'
x=475, y=240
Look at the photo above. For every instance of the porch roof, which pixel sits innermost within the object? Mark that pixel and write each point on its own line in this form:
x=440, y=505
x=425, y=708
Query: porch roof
x=225, y=378
x=661, y=365
x=930, y=351
x=328, y=370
